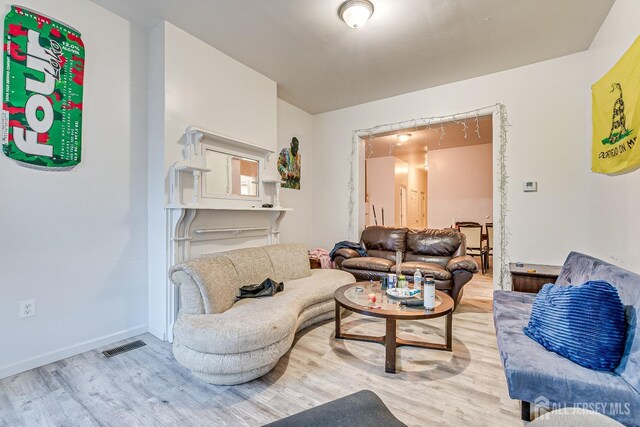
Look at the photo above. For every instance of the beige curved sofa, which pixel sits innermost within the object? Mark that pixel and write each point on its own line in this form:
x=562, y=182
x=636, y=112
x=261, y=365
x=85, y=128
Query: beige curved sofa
x=227, y=343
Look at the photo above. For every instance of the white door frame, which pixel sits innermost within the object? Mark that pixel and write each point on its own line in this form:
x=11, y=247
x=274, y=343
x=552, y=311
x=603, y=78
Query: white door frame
x=423, y=209
x=501, y=277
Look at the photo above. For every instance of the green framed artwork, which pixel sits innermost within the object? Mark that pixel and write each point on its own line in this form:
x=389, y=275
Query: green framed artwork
x=289, y=161
x=42, y=91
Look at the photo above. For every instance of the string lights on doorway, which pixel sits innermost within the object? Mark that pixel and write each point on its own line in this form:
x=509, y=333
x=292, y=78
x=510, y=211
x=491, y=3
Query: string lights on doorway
x=437, y=123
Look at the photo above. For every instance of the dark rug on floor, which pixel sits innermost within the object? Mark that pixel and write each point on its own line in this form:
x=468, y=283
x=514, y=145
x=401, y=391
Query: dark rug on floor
x=363, y=408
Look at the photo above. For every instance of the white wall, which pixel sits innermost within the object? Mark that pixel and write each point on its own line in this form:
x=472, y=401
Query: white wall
x=156, y=183
x=295, y=227
x=76, y=241
x=460, y=185
x=385, y=176
x=207, y=88
x=381, y=189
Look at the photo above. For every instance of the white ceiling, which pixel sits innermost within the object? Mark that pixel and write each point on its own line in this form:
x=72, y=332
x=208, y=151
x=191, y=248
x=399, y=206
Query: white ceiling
x=427, y=139
x=321, y=65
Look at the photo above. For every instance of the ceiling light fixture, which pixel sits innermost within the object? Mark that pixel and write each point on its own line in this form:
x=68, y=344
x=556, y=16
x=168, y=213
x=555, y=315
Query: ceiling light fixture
x=404, y=137
x=355, y=13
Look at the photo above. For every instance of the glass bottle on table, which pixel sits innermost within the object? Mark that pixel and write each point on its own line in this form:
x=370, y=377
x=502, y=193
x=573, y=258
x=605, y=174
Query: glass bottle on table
x=402, y=282
x=398, y=262
x=417, y=280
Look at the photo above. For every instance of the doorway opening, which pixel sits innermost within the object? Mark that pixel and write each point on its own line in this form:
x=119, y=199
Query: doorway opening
x=436, y=182
x=387, y=151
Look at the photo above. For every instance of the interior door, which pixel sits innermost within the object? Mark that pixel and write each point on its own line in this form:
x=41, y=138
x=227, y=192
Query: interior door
x=414, y=209
x=423, y=209
x=403, y=206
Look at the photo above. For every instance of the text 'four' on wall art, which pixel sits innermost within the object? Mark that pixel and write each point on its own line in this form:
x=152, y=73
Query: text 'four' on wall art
x=42, y=91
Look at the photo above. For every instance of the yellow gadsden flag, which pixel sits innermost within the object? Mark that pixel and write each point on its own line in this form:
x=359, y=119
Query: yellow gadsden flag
x=616, y=116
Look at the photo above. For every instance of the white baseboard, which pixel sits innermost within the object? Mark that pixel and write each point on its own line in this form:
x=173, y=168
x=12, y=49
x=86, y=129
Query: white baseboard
x=157, y=333
x=54, y=356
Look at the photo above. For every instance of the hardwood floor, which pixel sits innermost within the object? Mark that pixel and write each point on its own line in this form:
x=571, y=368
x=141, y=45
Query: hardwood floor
x=148, y=387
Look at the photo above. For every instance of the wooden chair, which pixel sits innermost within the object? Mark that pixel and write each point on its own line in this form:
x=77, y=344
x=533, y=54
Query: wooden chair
x=465, y=223
x=489, y=247
x=473, y=234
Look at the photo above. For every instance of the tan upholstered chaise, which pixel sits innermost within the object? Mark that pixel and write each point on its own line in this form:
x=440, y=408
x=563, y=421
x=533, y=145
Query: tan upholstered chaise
x=226, y=343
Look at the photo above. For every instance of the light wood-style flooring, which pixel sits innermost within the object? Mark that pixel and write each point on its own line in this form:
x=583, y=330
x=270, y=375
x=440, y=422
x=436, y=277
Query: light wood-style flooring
x=148, y=387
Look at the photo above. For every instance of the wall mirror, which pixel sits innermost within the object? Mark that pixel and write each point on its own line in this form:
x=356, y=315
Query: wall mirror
x=230, y=176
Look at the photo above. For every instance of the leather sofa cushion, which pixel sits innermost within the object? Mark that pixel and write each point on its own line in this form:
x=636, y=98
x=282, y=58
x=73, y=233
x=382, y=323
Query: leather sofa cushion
x=368, y=263
x=385, y=238
x=433, y=242
x=346, y=253
x=430, y=259
x=463, y=263
x=391, y=256
x=438, y=272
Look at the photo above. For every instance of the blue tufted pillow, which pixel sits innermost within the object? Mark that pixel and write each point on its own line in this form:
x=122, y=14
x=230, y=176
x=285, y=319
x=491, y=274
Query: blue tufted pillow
x=584, y=323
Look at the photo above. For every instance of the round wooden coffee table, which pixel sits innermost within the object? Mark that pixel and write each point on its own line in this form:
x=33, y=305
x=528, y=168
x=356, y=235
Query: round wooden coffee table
x=390, y=309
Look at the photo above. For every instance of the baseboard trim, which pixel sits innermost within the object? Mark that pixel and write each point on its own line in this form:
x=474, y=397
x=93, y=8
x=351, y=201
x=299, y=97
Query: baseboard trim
x=63, y=353
x=157, y=333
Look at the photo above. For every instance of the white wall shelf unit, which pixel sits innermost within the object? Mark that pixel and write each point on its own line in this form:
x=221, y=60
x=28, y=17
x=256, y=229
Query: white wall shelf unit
x=196, y=134
x=229, y=230
x=193, y=161
x=277, y=184
x=230, y=208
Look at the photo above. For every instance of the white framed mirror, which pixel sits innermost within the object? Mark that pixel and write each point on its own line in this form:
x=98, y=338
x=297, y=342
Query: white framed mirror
x=230, y=175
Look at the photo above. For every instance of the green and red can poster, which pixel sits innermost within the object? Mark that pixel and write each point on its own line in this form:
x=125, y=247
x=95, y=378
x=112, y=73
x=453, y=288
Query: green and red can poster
x=42, y=91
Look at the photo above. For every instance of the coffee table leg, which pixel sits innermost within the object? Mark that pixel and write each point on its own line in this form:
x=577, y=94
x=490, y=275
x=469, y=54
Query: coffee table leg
x=390, y=346
x=338, y=320
x=449, y=333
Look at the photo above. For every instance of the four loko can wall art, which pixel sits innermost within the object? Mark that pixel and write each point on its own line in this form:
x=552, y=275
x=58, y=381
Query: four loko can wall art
x=42, y=91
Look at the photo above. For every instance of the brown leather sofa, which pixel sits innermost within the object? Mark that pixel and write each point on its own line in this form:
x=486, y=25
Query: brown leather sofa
x=440, y=253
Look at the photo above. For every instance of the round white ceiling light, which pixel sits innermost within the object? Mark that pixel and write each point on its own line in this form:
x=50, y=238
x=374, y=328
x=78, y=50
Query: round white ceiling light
x=404, y=137
x=356, y=13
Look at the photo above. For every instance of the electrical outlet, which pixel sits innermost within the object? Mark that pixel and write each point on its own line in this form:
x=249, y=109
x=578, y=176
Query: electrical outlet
x=27, y=308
